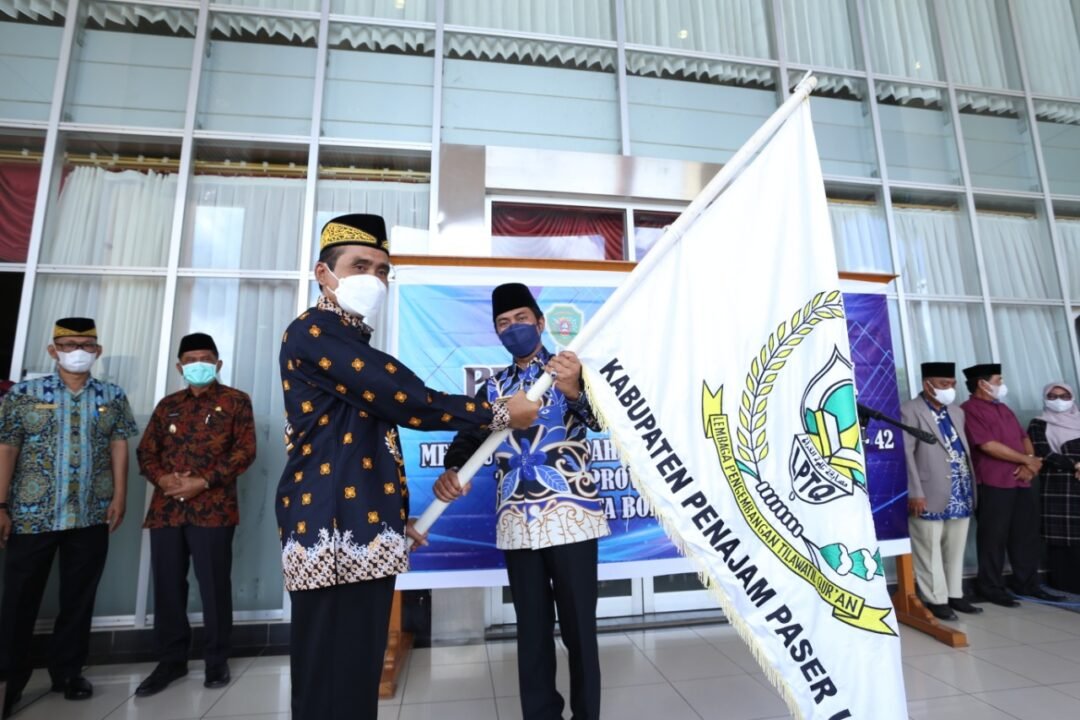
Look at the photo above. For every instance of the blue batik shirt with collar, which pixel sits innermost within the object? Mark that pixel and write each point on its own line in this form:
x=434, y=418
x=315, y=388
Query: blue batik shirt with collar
x=961, y=495
x=63, y=475
x=545, y=492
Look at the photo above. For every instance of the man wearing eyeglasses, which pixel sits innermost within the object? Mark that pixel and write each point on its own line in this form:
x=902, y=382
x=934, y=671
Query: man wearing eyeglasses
x=63, y=483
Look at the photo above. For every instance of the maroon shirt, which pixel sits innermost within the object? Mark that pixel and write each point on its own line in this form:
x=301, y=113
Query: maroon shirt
x=988, y=421
x=211, y=435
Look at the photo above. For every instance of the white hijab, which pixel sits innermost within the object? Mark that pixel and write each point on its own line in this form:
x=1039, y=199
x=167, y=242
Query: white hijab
x=1060, y=427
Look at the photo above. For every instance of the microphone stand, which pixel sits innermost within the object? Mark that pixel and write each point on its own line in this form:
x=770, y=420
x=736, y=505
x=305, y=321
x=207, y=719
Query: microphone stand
x=868, y=413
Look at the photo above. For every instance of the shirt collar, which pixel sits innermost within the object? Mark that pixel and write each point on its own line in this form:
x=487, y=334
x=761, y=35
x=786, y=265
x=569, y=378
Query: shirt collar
x=325, y=303
x=538, y=362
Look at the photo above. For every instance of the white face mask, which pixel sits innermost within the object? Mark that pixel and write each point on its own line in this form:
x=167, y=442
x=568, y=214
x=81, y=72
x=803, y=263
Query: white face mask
x=359, y=295
x=998, y=392
x=1059, y=405
x=945, y=396
x=76, y=361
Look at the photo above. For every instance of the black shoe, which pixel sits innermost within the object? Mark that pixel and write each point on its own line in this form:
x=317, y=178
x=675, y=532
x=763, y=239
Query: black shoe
x=161, y=678
x=74, y=688
x=217, y=675
x=1003, y=600
x=1046, y=596
x=941, y=611
x=962, y=605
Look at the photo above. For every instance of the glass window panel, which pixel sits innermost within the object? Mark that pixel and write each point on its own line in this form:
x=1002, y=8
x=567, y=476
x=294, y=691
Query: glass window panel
x=268, y=5
x=1051, y=45
x=379, y=83
x=529, y=93
x=842, y=125
x=131, y=66
x=128, y=315
x=245, y=208
x=569, y=18
x=901, y=38
x=116, y=204
x=822, y=33
x=916, y=129
x=1059, y=135
x=978, y=43
x=1018, y=255
x=724, y=27
x=403, y=203
x=694, y=109
x=1000, y=152
x=20, y=173
x=1069, y=234
x=860, y=236
x=258, y=75
x=1035, y=350
x=246, y=319
x=947, y=332
x=413, y=10
x=555, y=231
x=936, y=250
x=29, y=48
x=649, y=227
x=683, y=582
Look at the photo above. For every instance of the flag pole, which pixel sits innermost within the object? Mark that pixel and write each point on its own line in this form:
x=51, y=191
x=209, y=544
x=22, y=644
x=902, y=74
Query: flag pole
x=671, y=236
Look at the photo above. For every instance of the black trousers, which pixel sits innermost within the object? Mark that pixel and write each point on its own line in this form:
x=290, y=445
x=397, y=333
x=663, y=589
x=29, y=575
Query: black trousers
x=1008, y=521
x=26, y=570
x=337, y=646
x=210, y=551
x=541, y=581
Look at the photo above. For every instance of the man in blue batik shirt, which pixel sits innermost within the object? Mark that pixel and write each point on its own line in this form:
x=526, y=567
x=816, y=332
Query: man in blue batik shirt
x=941, y=492
x=549, y=512
x=63, y=483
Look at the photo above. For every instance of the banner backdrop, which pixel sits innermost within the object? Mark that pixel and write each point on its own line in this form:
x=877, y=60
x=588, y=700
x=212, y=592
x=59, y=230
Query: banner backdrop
x=445, y=335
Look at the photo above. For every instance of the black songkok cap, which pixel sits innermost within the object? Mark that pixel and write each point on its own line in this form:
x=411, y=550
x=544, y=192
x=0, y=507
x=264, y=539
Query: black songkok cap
x=75, y=327
x=512, y=296
x=355, y=229
x=939, y=370
x=196, y=341
x=982, y=371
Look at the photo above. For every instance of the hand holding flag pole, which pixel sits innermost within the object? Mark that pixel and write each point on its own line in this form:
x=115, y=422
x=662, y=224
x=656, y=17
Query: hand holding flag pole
x=671, y=236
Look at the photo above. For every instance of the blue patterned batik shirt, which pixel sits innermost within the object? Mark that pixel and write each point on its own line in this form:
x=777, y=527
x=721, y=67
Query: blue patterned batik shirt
x=63, y=475
x=961, y=497
x=545, y=493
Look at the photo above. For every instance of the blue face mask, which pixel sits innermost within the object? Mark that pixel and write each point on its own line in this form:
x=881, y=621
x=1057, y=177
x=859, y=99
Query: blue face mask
x=199, y=374
x=520, y=339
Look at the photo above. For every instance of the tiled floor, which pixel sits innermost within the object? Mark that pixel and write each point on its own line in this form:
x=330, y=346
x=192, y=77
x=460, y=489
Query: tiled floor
x=1022, y=663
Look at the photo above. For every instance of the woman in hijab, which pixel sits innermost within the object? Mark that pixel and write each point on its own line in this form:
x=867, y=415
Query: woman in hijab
x=1056, y=436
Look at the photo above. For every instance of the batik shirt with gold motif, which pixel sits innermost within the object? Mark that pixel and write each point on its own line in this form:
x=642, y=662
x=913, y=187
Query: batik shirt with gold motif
x=545, y=494
x=63, y=475
x=343, y=498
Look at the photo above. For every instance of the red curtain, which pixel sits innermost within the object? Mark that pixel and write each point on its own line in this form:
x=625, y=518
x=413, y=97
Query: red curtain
x=18, y=189
x=513, y=220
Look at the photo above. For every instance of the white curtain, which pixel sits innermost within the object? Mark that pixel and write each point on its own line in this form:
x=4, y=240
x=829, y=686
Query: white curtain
x=1069, y=233
x=860, y=237
x=243, y=222
x=1018, y=256
x=1035, y=350
x=574, y=247
x=947, y=332
x=936, y=251
x=111, y=219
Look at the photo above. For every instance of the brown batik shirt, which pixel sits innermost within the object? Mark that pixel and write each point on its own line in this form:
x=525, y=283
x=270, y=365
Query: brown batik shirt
x=212, y=436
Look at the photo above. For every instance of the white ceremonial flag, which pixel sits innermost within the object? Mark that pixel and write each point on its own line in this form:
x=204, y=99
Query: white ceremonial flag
x=724, y=376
